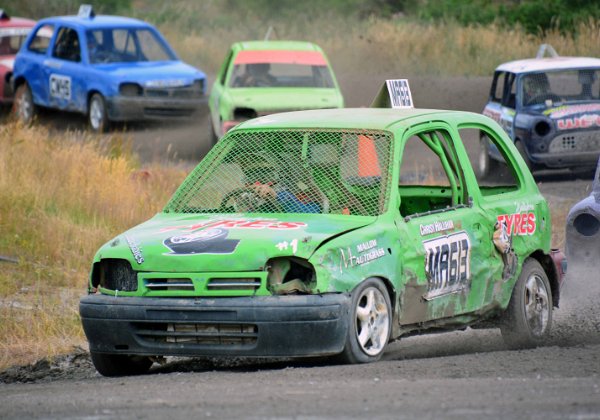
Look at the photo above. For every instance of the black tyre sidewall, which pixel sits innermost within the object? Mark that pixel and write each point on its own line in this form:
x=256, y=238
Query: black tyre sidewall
x=482, y=173
x=521, y=148
x=515, y=328
x=353, y=352
x=112, y=365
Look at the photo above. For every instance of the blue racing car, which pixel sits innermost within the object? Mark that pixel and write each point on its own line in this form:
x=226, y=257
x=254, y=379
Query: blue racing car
x=107, y=67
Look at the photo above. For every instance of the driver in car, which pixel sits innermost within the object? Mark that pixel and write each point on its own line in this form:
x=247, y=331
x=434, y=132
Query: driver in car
x=266, y=191
x=536, y=88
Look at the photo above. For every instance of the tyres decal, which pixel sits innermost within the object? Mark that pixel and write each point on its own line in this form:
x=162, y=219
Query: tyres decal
x=447, y=264
x=239, y=224
x=521, y=222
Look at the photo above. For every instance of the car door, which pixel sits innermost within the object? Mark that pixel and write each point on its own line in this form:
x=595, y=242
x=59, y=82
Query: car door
x=501, y=105
x=509, y=204
x=447, y=240
x=31, y=62
x=64, y=72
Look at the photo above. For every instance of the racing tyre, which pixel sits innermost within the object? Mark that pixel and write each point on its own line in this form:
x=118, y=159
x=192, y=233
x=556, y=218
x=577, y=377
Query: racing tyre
x=521, y=148
x=528, y=318
x=120, y=364
x=97, y=116
x=369, y=323
x=23, y=106
x=485, y=164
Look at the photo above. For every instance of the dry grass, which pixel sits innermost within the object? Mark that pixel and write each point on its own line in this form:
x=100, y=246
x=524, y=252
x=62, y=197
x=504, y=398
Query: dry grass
x=60, y=199
x=202, y=32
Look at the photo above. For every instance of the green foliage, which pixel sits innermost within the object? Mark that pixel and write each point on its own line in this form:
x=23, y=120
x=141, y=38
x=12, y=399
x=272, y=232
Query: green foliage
x=533, y=15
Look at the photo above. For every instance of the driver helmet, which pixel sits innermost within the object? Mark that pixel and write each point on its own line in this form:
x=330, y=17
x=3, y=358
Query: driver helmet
x=536, y=84
x=259, y=69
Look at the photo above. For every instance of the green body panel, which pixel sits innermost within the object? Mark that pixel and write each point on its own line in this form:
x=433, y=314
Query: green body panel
x=411, y=254
x=225, y=99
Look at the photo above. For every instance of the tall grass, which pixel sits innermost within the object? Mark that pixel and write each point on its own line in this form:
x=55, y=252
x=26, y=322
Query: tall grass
x=202, y=32
x=60, y=199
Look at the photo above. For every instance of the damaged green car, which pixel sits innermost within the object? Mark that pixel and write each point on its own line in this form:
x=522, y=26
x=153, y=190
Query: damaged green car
x=329, y=233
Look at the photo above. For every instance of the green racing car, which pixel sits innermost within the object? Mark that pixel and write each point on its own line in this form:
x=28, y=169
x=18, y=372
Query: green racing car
x=264, y=77
x=329, y=233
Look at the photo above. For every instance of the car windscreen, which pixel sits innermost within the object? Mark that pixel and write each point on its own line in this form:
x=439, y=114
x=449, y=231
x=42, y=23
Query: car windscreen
x=290, y=171
x=122, y=45
x=11, y=40
x=281, y=75
x=552, y=88
x=281, y=68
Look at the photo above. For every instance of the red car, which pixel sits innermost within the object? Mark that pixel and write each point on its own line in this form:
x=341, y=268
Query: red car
x=13, y=32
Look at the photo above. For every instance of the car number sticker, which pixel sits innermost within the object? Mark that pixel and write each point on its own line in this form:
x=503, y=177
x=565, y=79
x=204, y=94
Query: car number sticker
x=60, y=87
x=447, y=264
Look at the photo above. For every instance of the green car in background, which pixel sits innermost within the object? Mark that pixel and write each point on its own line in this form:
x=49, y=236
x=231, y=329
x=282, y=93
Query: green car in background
x=329, y=233
x=264, y=77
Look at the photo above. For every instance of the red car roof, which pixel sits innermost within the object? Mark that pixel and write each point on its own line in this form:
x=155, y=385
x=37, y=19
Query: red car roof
x=309, y=58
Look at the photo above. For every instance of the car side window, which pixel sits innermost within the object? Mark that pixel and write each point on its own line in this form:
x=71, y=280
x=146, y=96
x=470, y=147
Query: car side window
x=497, y=90
x=67, y=45
x=430, y=174
x=484, y=148
x=41, y=40
x=509, y=97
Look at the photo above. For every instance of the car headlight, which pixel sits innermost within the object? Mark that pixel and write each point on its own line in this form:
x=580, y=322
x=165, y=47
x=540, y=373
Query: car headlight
x=542, y=128
x=586, y=224
x=130, y=89
x=199, y=86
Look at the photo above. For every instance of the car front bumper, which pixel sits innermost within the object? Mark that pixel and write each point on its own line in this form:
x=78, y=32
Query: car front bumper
x=265, y=326
x=566, y=160
x=123, y=108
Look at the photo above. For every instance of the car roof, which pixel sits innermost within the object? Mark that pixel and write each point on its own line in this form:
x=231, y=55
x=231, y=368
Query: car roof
x=549, y=64
x=16, y=22
x=100, y=21
x=276, y=45
x=356, y=118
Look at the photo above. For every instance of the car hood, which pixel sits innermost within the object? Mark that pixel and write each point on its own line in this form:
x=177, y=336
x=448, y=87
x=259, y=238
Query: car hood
x=153, y=73
x=195, y=243
x=269, y=99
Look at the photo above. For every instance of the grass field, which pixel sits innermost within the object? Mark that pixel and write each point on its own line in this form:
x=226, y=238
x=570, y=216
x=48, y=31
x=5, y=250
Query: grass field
x=201, y=33
x=61, y=197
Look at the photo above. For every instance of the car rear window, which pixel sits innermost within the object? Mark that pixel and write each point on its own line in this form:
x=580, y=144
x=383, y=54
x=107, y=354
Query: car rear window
x=291, y=171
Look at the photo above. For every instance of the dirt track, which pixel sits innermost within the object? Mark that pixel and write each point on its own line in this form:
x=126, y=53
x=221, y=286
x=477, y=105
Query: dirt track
x=454, y=375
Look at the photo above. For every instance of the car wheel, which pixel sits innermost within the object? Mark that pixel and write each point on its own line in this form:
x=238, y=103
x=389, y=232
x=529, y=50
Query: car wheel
x=120, y=364
x=369, y=323
x=528, y=318
x=521, y=148
x=97, y=117
x=485, y=164
x=23, y=106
